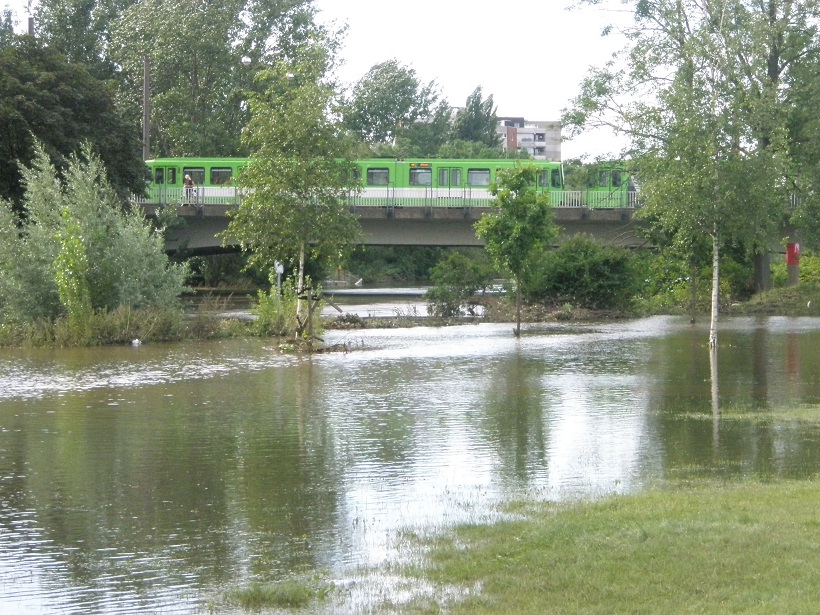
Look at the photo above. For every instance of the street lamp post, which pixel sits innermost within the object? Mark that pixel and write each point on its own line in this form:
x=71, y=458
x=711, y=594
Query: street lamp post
x=146, y=108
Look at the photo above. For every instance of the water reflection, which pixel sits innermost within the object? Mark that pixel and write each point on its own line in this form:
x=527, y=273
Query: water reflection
x=149, y=479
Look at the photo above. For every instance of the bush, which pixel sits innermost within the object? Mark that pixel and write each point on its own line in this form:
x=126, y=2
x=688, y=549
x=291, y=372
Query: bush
x=78, y=254
x=275, y=314
x=456, y=280
x=583, y=273
x=809, y=269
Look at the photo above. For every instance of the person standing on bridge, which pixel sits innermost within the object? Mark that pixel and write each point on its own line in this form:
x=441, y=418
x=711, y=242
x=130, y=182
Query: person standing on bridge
x=189, y=189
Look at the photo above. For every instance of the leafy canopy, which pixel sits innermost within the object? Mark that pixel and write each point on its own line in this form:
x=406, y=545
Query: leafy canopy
x=77, y=251
x=42, y=97
x=298, y=181
x=520, y=227
x=387, y=101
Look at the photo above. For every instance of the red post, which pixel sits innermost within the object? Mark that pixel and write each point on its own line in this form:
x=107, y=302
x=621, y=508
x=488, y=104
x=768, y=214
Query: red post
x=793, y=263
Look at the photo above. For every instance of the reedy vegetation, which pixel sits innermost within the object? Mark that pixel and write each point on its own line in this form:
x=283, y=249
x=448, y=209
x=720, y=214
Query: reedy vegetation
x=78, y=255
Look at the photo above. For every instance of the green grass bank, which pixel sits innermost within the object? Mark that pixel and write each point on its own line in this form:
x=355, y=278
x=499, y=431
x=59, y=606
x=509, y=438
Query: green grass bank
x=721, y=548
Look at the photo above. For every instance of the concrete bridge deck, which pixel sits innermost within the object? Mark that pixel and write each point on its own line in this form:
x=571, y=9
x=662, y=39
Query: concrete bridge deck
x=422, y=226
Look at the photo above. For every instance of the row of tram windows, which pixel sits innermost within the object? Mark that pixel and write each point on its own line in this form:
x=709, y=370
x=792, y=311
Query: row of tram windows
x=168, y=176
x=450, y=177
x=606, y=178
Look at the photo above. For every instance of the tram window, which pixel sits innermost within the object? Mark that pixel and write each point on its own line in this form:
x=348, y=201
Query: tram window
x=542, y=179
x=171, y=176
x=556, y=178
x=455, y=177
x=197, y=174
x=221, y=176
x=159, y=176
x=603, y=179
x=378, y=177
x=616, y=179
x=444, y=177
x=421, y=177
x=478, y=177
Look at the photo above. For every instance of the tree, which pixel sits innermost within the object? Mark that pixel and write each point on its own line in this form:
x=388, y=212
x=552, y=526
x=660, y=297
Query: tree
x=477, y=121
x=298, y=179
x=387, y=101
x=426, y=136
x=43, y=97
x=81, y=30
x=203, y=57
x=78, y=252
x=6, y=27
x=703, y=93
x=456, y=280
x=520, y=226
x=584, y=273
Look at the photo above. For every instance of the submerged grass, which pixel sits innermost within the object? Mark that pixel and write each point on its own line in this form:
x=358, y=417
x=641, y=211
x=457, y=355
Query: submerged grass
x=289, y=594
x=718, y=548
x=808, y=414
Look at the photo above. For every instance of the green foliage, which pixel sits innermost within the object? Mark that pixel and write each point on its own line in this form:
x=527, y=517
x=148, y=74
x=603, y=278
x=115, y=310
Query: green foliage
x=709, y=93
x=477, y=121
x=6, y=27
x=228, y=270
x=394, y=264
x=77, y=252
x=520, y=226
x=118, y=326
x=298, y=186
x=664, y=283
x=584, y=273
x=427, y=136
x=289, y=594
x=456, y=281
x=203, y=57
x=809, y=269
x=79, y=29
x=275, y=313
x=42, y=97
x=459, y=148
x=387, y=101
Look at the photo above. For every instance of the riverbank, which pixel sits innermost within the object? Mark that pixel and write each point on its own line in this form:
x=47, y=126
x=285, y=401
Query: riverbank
x=711, y=548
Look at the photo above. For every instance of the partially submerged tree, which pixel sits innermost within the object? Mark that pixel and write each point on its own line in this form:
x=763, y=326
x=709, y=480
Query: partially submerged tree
x=520, y=226
x=298, y=180
x=702, y=90
x=456, y=280
x=77, y=252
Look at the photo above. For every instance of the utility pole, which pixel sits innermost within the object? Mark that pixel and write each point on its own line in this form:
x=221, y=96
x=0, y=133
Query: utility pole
x=146, y=108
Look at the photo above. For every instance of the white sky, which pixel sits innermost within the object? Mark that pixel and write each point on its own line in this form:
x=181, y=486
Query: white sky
x=529, y=54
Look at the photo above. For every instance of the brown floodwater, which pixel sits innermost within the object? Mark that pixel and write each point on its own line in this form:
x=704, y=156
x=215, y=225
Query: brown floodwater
x=151, y=479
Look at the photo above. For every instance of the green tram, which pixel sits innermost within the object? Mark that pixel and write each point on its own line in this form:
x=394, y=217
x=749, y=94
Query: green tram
x=383, y=182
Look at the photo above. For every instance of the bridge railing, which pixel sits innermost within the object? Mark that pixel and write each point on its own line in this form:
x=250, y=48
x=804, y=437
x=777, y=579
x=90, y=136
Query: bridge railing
x=199, y=195
x=388, y=197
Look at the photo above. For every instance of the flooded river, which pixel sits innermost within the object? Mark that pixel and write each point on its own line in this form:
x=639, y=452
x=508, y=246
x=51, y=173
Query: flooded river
x=151, y=479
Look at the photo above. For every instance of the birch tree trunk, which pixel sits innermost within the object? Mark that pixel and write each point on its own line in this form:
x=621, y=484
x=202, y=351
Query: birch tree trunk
x=300, y=290
x=715, y=289
x=517, y=306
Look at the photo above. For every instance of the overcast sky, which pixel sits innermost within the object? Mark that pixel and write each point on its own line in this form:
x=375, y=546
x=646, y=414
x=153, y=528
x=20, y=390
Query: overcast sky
x=529, y=54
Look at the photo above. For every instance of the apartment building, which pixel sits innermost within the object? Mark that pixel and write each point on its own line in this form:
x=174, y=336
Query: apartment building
x=542, y=140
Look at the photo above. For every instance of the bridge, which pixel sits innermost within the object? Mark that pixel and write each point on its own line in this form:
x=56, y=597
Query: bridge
x=425, y=223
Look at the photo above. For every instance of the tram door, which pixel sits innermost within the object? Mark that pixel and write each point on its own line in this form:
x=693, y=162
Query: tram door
x=450, y=183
